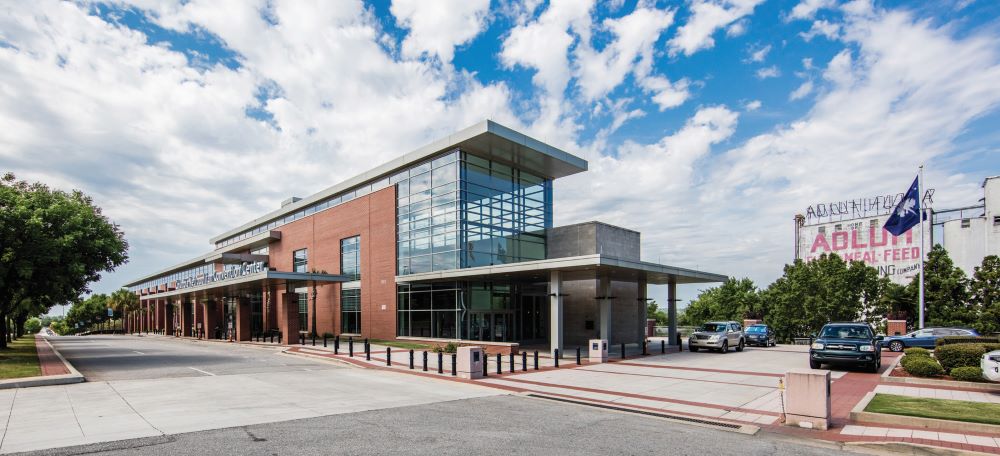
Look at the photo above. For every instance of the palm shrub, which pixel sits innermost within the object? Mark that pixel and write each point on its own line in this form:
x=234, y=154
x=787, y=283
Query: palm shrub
x=967, y=374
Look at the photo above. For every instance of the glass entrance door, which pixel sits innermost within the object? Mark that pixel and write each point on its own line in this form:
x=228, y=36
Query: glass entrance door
x=533, y=319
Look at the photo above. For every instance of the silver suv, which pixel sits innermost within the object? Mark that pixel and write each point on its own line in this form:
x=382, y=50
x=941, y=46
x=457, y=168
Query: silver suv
x=718, y=335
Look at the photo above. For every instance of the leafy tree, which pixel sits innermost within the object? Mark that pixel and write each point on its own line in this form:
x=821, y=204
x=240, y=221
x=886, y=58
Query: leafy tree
x=653, y=311
x=985, y=290
x=811, y=294
x=123, y=302
x=33, y=325
x=52, y=245
x=946, y=295
x=733, y=300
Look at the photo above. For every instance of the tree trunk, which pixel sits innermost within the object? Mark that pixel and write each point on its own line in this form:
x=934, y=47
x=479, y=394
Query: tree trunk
x=3, y=331
x=19, y=322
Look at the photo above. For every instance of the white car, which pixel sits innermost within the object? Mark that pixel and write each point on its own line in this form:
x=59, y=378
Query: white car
x=991, y=366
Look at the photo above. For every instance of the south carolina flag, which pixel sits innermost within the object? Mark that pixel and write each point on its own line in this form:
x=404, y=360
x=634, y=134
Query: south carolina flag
x=906, y=215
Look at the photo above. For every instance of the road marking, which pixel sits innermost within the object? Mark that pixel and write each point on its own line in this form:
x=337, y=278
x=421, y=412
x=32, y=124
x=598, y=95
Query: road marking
x=139, y=352
x=199, y=370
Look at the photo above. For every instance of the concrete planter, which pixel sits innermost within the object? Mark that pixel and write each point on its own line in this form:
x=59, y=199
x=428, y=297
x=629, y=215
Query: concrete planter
x=858, y=414
x=886, y=378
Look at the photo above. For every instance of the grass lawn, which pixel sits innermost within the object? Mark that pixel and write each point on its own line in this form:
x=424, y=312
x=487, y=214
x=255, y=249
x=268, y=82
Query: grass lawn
x=20, y=359
x=942, y=409
x=399, y=344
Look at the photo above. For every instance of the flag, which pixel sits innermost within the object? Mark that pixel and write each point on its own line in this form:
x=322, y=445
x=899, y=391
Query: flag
x=906, y=215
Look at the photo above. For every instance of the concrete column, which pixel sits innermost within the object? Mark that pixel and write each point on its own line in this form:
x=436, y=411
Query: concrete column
x=168, y=318
x=197, y=315
x=604, y=301
x=185, y=319
x=672, y=312
x=210, y=318
x=288, y=318
x=161, y=307
x=641, y=301
x=243, y=319
x=555, y=312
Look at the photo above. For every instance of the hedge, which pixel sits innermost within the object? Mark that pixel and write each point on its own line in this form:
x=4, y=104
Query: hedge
x=967, y=374
x=950, y=340
x=921, y=366
x=962, y=355
x=917, y=351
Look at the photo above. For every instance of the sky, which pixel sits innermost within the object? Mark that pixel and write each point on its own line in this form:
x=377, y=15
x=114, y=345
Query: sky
x=707, y=124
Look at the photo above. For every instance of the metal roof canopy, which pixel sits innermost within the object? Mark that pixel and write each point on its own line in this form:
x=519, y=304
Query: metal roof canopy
x=574, y=267
x=233, y=286
x=487, y=139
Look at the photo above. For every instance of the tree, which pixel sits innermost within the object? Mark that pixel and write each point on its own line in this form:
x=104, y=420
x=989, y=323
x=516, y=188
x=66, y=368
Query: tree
x=946, y=295
x=33, y=325
x=811, y=294
x=985, y=290
x=52, y=245
x=653, y=311
x=733, y=300
x=123, y=302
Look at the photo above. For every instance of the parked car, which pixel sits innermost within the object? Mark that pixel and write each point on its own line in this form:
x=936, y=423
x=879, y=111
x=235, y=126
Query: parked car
x=760, y=335
x=718, y=335
x=924, y=338
x=846, y=344
x=991, y=366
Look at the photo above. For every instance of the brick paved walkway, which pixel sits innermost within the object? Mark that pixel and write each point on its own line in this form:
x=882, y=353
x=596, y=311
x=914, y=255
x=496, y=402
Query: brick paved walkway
x=47, y=359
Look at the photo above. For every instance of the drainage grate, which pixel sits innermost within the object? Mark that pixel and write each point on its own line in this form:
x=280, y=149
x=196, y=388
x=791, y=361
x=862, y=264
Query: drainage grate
x=642, y=412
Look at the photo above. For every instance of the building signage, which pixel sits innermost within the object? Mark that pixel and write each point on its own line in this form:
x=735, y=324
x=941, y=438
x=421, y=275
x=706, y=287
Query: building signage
x=856, y=208
x=896, y=257
x=228, y=274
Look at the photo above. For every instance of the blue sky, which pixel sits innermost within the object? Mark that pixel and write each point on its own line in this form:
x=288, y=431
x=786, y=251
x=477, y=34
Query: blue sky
x=707, y=123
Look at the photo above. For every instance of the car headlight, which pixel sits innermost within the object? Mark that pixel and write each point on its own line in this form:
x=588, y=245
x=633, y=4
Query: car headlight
x=817, y=345
x=866, y=348
x=713, y=339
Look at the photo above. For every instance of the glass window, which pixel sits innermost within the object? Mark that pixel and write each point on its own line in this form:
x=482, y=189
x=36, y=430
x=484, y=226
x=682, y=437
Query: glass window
x=303, y=312
x=350, y=311
x=350, y=257
x=300, y=260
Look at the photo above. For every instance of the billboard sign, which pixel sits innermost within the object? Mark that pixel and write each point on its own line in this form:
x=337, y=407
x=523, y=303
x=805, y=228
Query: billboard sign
x=863, y=239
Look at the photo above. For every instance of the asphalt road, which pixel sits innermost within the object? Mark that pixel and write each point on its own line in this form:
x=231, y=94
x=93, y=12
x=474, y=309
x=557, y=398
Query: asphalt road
x=101, y=358
x=482, y=426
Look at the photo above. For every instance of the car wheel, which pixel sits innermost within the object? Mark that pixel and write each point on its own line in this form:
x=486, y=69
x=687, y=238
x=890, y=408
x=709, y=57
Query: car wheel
x=692, y=348
x=896, y=346
x=774, y=343
x=739, y=347
x=725, y=347
x=873, y=368
x=815, y=364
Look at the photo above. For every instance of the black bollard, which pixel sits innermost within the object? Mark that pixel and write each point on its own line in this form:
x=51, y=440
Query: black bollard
x=440, y=362
x=314, y=339
x=324, y=340
x=644, y=353
x=454, y=360
x=663, y=346
x=512, y=362
x=678, y=339
x=368, y=351
x=411, y=359
x=302, y=339
x=425, y=361
x=524, y=361
x=499, y=364
x=350, y=346
x=388, y=356
x=336, y=344
x=536, y=359
x=577, y=356
x=556, y=357
x=486, y=361
x=623, y=351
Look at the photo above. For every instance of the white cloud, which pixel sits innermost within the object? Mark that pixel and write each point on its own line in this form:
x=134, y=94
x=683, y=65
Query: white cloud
x=543, y=44
x=759, y=54
x=806, y=9
x=436, y=28
x=768, y=72
x=826, y=29
x=752, y=105
x=708, y=16
x=805, y=89
x=666, y=94
x=738, y=28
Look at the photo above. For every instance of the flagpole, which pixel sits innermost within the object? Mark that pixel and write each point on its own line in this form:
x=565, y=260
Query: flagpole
x=920, y=204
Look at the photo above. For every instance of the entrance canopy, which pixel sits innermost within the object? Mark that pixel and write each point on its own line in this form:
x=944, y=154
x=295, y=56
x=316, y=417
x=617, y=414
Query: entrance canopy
x=257, y=280
x=584, y=265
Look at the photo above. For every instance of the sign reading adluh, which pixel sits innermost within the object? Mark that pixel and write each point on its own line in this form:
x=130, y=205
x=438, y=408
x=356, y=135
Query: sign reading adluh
x=856, y=208
x=897, y=257
x=231, y=273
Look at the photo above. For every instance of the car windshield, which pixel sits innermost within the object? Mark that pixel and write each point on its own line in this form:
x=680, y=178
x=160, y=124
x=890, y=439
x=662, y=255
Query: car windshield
x=757, y=330
x=713, y=327
x=846, y=332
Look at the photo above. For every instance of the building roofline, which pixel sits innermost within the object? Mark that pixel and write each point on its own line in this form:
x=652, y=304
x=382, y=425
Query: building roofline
x=486, y=138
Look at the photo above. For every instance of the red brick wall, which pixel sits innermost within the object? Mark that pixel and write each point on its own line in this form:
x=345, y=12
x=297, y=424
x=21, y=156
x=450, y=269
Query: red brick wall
x=373, y=217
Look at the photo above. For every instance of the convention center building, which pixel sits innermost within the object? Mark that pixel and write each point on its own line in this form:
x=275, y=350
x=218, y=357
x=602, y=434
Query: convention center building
x=453, y=242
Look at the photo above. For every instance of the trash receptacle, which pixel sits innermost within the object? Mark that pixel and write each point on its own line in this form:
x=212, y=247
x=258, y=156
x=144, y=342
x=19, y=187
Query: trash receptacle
x=598, y=350
x=470, y=362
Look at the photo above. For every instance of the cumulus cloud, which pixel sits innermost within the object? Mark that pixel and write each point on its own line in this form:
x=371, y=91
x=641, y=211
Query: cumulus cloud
x=543, y=44
x=436, y=28
x=708, y=16
x=768, y=72
x=752, y=105
x=802, y=91
x=759, y=54
x=806, y=9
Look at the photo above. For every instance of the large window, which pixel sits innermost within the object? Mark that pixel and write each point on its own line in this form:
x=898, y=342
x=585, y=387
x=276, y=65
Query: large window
x=300, y=261
x=426, y=310
x=350, y=257
x=350, y=311
x=303, y=312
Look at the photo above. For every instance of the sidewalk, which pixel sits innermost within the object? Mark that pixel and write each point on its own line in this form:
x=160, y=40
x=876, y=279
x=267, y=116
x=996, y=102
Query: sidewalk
x=55, y=369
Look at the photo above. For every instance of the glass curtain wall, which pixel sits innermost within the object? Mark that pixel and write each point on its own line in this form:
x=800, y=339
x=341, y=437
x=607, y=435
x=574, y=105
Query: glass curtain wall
x=350, y=257
x=303, y=313
x=350, y=311
x=429, y=310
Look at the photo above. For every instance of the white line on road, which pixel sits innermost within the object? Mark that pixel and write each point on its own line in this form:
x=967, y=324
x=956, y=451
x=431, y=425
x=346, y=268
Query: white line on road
x=199, y=370
x=139, y=352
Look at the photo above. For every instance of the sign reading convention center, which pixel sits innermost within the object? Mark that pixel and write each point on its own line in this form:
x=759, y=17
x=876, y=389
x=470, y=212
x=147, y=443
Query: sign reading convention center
x=228, y=274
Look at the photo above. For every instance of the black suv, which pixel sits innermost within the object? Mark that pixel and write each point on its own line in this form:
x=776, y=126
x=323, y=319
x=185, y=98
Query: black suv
x=846, y=343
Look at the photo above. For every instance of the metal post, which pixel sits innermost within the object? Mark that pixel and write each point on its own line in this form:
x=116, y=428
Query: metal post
x=350, y=346
x=644, y=352
x=454, y=359
x=920, y=206
x=411, y=359
x=440, y=362
x=368, y=351
x=388, y=356
x=536, y=359
x=314, y=339
x=336, y=344
x=324, y=340
x=577, y=355
x=302, y=339
x=524, y=361
x=425, y=361
x=499, y=364
x=512, y=362
x=556, y=357
x=486, y=369
x=623, y=351
x=663, y=346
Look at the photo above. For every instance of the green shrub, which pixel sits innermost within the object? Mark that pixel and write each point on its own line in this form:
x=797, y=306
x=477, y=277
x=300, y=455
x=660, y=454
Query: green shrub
x=921, y=366
x=951, y=340
x=967, y=374
x=962, y=355
x=917, y=351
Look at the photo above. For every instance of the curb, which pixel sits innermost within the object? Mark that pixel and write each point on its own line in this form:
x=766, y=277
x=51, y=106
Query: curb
x=74, y=376
x=858, y=414
x=911, y=448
